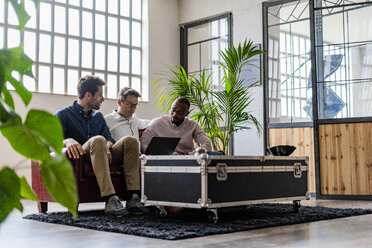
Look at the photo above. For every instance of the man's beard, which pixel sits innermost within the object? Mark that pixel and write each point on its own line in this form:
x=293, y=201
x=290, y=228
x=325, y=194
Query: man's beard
x=177, y=123
x=95, y=106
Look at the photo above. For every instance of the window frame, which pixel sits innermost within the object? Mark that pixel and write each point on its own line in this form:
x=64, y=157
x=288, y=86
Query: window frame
x=184, y=37
x=267, y=124
x=106, y=72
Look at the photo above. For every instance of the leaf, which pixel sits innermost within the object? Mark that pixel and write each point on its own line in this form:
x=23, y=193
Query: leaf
x=5, y=112
x=47, y=126
x=60, y=182
x=9, y=192
x=26, y=142
x=21, y=90
x=33, y=139
x=22, y=15
x=22, y=64
x=19, y=206
x=2, y=72
x=8, y=99
x=19, y=61
x=26, y=191
x=15, y=60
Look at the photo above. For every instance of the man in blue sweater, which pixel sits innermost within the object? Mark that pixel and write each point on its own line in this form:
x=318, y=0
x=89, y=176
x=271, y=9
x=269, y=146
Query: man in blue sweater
x=86, y=134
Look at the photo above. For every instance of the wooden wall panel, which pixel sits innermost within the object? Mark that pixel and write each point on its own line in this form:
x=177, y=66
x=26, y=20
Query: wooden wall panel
x=345, y=152
x=300, y=137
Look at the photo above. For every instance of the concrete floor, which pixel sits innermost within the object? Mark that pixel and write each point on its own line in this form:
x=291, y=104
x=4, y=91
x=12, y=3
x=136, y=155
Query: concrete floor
x=345, y=232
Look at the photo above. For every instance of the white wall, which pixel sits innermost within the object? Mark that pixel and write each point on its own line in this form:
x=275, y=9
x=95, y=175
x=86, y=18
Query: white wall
x=247, y=24
x=163, y=34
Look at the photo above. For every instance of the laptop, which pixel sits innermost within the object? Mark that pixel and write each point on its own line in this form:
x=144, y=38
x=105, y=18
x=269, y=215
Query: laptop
x=162, y=146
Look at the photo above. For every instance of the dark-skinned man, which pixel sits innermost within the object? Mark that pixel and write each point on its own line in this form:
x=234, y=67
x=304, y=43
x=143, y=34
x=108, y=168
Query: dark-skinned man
x=177, y=125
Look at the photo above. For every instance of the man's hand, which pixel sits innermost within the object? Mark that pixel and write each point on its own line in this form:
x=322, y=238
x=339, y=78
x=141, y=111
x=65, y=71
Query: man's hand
x=109, y=156
x=109, y=144
x=74, y=149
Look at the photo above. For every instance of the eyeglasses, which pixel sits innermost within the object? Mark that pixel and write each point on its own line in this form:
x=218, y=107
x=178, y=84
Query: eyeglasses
x=132, y=105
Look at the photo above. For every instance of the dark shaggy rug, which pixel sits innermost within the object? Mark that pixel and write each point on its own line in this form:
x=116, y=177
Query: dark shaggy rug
x=191, y=223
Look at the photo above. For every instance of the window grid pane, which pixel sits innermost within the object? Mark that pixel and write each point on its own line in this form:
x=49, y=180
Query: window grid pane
x=44, y=48
x=112, y=90
x=113, y=6
x=46, y=17
x=30, y=44
x=86, y=54
x=136, y=9
x=73, y=52
x=124, y=60
x=87, y=27
x=136, y=34
x=112, y=63
x=13, y=38
x=73, y=20
x=100, y=56
x=124, y=8
x=44, y=81
x=73, y=77
x=124, y=32
x=59, y=50
x=58, y=81
x=59, y=19
x=100, y=27
x=136, y=62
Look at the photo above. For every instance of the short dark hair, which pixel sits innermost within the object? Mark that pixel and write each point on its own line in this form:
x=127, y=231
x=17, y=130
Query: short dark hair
x=89, y=83
x=126, y=91
x=183, y=100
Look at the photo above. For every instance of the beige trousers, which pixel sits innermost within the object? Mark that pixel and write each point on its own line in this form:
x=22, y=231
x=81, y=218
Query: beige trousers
x=125, y=151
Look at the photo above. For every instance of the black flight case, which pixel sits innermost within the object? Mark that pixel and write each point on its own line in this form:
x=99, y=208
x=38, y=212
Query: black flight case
x=211, y=182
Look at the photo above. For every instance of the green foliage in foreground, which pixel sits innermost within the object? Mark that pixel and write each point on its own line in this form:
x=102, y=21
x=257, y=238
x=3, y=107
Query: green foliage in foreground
x=35, y=138
x=220, y=112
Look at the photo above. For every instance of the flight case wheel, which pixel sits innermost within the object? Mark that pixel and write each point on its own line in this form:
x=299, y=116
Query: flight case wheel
x=160, y=211
x=212, y=215
x=296, y=206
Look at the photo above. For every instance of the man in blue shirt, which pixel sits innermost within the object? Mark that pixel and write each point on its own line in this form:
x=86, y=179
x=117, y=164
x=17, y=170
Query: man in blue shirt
x=86, y=134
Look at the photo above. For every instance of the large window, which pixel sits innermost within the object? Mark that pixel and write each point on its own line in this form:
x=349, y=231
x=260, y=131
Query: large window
x=68, y=39
x=343, y=60
x=201, y=43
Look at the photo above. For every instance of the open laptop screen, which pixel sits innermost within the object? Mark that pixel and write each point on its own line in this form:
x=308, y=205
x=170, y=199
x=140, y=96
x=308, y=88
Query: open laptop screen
x=162, y=146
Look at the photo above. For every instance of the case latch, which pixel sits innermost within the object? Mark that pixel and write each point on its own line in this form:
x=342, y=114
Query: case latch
x=221, y=171
x=297, y=173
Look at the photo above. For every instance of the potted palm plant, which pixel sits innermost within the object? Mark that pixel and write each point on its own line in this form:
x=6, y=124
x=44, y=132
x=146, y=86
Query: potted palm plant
x=221, y=113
